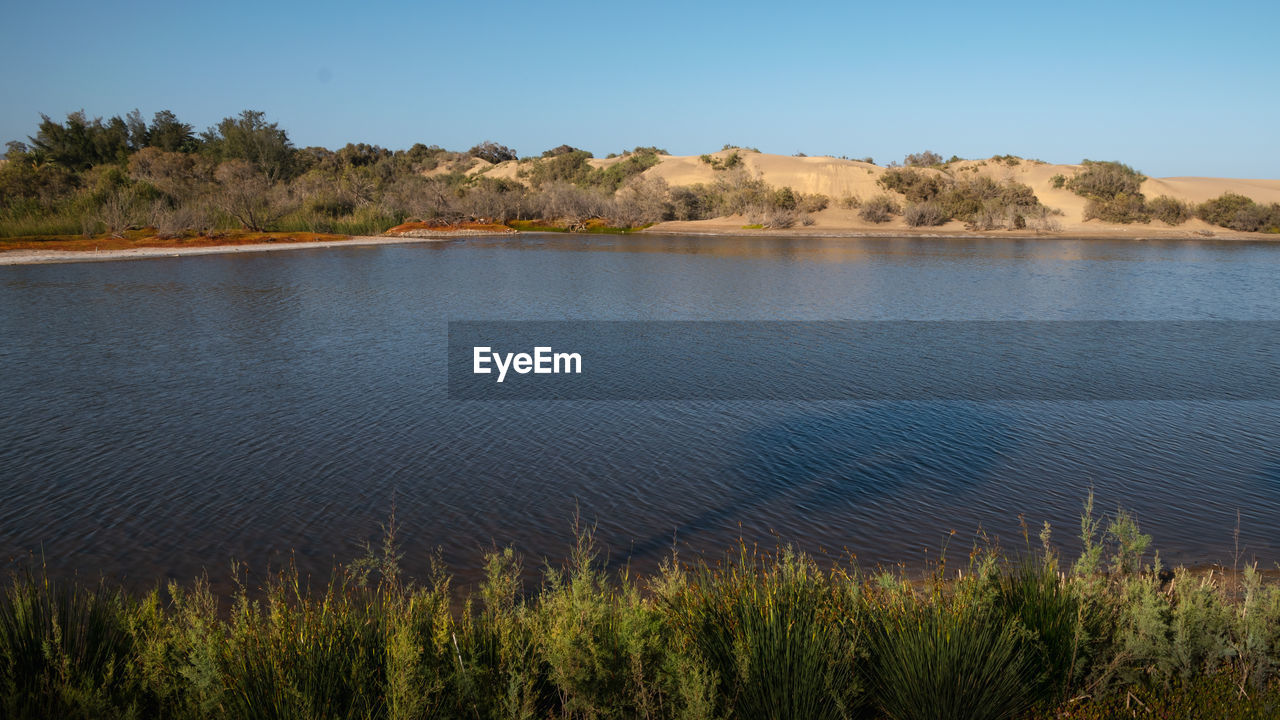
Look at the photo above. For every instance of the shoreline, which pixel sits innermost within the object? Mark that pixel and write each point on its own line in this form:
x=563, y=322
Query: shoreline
x=48, y=257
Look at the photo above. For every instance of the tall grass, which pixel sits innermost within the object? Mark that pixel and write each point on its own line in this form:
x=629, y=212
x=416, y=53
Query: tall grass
x=753, y=636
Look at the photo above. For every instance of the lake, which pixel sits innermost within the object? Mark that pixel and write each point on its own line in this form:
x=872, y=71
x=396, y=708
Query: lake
x=163, y=417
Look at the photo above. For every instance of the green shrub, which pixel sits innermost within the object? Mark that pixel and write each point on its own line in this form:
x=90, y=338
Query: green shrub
x=1106, y=180
x=64, y=651
x=944, y=661
x=777, y=634
x=928, y=158
x=1237, y=212
x=1058, y=181
x=1058, y=638
x=1169, y=211
x=915, y=185
x=1122, y=208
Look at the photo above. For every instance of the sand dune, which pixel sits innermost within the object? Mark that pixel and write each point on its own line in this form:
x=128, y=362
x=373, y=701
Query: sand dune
x=838, y=178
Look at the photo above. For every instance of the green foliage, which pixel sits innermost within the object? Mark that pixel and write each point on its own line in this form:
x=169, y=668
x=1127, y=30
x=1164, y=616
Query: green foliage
x=250, y=138
x=64, y=652
x=614, y=176
x=1058, y=181
x=933, y=198
x=1123, y=208
x=569, y=167
x=753, y=636
x=779, y=636
x=1106, y=180
x=1114, y=191
x=916, y=185
x=728, y=162
x=928, y=158
x=1237, y=212
x=80, y=143
x=947, y=661
x=490, y=151
x=1170, y=211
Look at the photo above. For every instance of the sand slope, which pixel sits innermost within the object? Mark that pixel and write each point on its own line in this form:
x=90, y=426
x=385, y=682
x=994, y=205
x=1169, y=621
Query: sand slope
x=838, y=178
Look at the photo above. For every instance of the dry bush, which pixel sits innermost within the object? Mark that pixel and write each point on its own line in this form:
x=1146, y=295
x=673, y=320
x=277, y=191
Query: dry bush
x=850, y=202
x=813, y=203
x=691, y=203
x=193, y=216
x=737, y=192
x=924, y=214
x=115, y=213
x=642, y=201
x=569, y=203
x=178, y=175
x=879, y=209
x=247, y=195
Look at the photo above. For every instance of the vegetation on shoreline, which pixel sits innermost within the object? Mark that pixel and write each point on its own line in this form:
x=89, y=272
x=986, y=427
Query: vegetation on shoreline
x=109, y=179
x=755, y=635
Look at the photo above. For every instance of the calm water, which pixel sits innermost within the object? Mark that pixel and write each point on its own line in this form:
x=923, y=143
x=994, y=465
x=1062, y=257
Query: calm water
x=162, y=417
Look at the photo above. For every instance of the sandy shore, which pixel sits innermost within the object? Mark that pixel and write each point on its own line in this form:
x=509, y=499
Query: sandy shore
x=825, y=227
x=37, y=257
x=717, y=228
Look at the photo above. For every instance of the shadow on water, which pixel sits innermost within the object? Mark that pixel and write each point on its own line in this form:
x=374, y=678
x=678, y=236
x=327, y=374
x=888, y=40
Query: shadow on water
x=814, y=470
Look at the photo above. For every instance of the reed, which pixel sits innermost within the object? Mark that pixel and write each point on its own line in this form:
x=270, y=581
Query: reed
x=755, y=635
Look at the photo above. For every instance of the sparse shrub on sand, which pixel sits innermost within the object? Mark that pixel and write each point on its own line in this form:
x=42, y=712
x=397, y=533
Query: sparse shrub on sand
x=1114, y=191
x=928, y=158
x=916, y=185
x=879, y=209
x=924, y=214
x=1123, y=208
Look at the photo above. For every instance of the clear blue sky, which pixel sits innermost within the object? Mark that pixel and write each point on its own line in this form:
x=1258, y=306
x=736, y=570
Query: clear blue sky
x=1173, y=88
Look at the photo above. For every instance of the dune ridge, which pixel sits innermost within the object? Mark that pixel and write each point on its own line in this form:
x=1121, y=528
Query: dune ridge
x=838, y=178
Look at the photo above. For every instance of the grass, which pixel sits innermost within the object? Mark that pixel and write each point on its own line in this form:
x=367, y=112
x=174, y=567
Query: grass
x=754, y=635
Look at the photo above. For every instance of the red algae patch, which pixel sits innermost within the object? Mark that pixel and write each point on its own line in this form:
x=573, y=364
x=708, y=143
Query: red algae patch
x=146, y=238
x=444, y=229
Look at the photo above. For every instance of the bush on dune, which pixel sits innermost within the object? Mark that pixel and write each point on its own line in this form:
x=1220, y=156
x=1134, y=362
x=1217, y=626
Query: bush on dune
x=1237, y=212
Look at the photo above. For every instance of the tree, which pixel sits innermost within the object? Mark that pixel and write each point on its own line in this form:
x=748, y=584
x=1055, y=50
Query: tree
x=81, y=143
x=492, y=152
x=252, y=139
x=167, y=133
